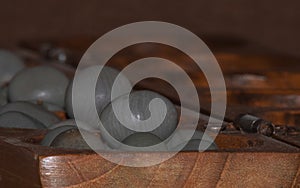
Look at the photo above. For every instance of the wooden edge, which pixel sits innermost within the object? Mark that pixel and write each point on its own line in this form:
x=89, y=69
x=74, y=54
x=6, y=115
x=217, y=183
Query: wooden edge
x=18, y=166
x=186, y=169
x=261, y=160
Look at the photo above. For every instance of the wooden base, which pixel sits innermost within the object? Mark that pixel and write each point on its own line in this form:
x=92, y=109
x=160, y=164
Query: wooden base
x=242, y=160
x=266, y=86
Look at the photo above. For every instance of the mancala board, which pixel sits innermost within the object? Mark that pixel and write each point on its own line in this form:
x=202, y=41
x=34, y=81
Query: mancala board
x=264, y=85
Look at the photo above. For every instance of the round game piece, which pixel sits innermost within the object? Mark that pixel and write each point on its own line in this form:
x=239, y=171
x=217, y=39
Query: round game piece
x=72, y=122
x=139, y=105
x=69, y=136
x=70, y=139
x=40, y=83
x=32, y=110
x=68, y=122
x=3, y=96
x=19, y=120
x=193, y=145
x=10, y=65
x=142, y=140
x=50, y=107
x=103, y=87
x=53, y=133
x=68, y=100
x=181, y=142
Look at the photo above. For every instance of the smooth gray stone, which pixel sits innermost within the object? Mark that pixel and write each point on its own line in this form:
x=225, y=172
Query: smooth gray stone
x=142, y=140
x=10, y=65
x=139, y=105
x=40, y=83
x=102, y=90
x=19, y=120
x=68, y=100
x=193, y=145
x=72, y=122
x=53, y=133
x=68, y=122
x=179, y=141
x=50, y=107
x=3, y=96
x=69, y=137
x=32, y=110
x=58, y=132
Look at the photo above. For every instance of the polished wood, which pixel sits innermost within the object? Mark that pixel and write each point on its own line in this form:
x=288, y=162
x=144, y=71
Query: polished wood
x=242, y=160
x=258, y=84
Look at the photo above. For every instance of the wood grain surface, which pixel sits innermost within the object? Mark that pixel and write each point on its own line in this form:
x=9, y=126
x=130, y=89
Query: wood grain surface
x=258, y=84
x=208, y=169
x=242, y=160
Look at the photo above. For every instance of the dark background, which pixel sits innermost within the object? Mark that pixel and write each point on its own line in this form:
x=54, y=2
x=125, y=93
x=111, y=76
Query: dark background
x=272, y=24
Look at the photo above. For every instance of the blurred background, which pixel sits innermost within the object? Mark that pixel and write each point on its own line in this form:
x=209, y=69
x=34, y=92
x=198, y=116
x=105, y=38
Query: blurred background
x=271, y=24
x=256, y=43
